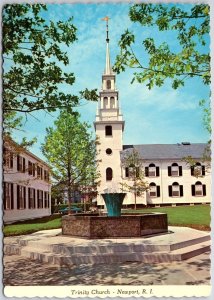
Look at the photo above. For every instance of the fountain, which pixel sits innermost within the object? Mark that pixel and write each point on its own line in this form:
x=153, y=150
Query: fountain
x=115, y=224
x=114, y=203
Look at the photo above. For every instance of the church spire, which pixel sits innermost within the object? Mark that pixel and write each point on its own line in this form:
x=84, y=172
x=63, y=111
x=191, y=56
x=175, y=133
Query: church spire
x=108, y=70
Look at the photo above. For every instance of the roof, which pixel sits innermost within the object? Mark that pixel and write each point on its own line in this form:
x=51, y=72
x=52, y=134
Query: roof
x=24, y=150
x=168, y=151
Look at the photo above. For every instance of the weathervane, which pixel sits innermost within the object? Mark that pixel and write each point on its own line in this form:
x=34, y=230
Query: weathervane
x=106, y=19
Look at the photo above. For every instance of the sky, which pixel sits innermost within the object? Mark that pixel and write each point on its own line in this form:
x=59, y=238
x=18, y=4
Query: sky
x=158, y=116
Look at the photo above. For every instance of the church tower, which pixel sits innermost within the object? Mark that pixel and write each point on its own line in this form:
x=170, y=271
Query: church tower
x=109, y=126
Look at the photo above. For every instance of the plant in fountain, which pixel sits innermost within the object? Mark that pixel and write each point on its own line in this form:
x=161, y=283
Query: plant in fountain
x=135, y=180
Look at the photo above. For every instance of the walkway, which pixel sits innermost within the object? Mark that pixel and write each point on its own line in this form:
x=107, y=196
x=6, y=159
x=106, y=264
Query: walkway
x=19, y=270
x=22, y=271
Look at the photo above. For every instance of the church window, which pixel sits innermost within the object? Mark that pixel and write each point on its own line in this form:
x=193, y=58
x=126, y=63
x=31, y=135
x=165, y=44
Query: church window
x=174, y=170
x=108, y=151
x=105, y=102
x=8, y=195
x=109, y=174
x=175, y=190
x=198, y=189
x=112, y=102
x=127, y=172
x=108, y=83
x=197, y=170
x=132, y=171
x=152, y=171
x=154, y=190
x=108, y=130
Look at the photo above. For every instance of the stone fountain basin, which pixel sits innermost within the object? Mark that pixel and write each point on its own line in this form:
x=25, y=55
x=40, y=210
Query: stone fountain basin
x=96, y=226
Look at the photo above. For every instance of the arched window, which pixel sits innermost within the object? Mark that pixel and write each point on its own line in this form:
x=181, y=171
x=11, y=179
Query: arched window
x=105, y=102
x=108, y=130
x=198, y=170
x=154, y=190
x=108, y=83
x=109, y=174
x=175, y=190
x=112, y=102
x=198, y=189
x=175, y=170
x=132, y=171
x=152, y=171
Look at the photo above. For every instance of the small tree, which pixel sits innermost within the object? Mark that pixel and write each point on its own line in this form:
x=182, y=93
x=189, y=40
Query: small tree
x=71, y=152
x=132, y=162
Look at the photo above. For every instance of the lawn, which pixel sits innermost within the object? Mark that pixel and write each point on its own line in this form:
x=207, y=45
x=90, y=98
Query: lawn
x=190, y=216
x=30, y=226
x=197, y=216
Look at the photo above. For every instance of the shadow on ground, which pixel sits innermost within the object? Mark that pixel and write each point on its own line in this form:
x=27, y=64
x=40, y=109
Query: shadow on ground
x=21, y=271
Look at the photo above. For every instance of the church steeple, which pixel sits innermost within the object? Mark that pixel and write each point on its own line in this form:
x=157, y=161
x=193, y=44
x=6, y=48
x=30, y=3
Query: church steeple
x=108, y=109
x=109, y=126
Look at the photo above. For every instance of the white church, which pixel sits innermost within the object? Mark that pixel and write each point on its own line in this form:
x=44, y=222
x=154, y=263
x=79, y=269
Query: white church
x=171, y=180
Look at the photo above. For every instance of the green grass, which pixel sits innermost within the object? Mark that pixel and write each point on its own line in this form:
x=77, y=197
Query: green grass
x=191, y=216
x=30, y=226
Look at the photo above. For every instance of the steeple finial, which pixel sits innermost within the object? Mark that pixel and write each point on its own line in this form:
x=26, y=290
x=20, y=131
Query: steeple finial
x=108, y=70
x=106, y=19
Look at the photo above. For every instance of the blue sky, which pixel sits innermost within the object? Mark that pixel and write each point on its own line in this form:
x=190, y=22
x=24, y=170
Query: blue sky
x=161, y=115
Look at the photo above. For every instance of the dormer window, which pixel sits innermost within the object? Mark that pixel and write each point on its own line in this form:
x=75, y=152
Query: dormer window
x=108, y=84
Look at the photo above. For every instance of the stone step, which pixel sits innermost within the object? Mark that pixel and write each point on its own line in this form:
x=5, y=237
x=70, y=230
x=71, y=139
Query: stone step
x=190, y=242
x=12, y=249
x=193, y=250
x=41, y=255
x=67, y=249
x=106, y=258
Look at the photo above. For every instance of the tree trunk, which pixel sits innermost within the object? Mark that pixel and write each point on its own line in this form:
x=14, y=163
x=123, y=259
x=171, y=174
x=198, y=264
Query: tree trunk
x=135, y=200
x=69, y=199
x=69, y=190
